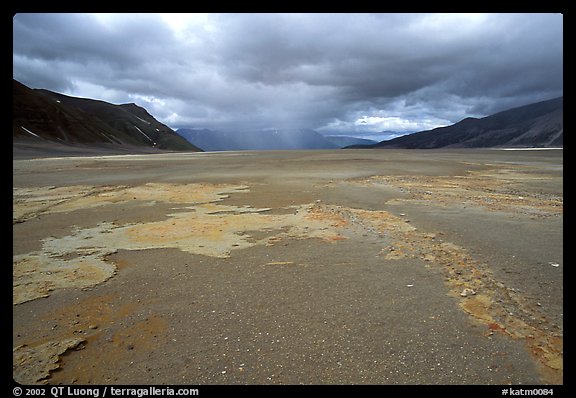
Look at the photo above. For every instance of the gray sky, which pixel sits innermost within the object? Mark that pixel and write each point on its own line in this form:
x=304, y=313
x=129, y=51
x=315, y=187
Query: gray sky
x=335, y=73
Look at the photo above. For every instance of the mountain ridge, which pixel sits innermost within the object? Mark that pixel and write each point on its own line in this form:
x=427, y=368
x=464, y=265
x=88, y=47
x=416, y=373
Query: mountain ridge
x=40, y=115
x=538, y=124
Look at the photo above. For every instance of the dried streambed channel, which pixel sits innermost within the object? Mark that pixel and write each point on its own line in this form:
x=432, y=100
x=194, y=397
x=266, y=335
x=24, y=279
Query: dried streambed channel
x=380, y=267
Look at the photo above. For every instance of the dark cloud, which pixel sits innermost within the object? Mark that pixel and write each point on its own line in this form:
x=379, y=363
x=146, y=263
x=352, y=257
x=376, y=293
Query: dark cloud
x=337, y=73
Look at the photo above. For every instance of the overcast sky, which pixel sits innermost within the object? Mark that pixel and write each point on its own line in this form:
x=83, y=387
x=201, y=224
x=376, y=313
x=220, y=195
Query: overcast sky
x=335, y=73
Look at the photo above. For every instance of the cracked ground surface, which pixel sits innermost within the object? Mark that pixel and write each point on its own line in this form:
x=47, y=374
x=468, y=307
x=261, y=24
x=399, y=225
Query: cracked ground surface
x=376, y=267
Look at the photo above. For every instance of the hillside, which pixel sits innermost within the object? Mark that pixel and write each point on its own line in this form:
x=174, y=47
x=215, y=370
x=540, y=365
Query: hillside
x=535, y=125
x=45, y=116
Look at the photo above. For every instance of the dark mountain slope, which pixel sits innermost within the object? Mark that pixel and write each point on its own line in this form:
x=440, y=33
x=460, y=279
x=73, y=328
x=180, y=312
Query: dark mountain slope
x=45, y=115
x=535, y=125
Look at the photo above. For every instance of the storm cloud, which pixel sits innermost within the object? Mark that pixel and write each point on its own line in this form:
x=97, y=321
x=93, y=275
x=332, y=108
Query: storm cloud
x=336, y=73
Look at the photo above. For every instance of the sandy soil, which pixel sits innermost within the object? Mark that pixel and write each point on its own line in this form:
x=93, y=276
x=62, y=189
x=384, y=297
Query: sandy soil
x=346, y=267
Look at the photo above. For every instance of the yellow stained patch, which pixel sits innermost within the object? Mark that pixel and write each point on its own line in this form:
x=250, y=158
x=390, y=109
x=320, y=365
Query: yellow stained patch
x=31, y=202
x=36, y=275
x=202, y=226
x=479, y=307
x=31, y=365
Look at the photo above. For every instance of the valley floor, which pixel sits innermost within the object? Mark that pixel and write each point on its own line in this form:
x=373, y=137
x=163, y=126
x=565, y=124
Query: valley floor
x=296, y=267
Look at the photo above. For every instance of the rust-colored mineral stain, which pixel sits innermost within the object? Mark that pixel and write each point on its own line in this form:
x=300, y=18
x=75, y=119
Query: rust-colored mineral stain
x=141, y=335
x=494, y=326
x=318, y=213
x=119, y=349
x=109, y=343
x=101, y=310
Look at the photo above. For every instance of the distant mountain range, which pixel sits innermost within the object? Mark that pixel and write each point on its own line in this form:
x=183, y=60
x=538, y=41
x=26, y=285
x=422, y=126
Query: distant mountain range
x=281, y=139
x=44, y=116
x=344, y=140
x=535, y=125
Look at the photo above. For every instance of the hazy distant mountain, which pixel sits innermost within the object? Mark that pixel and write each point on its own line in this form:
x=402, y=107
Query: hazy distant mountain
x=344, y=140
x=45, y=116
x=212, y=140
x=209, y=140
x=389, y=134
x=535, y=125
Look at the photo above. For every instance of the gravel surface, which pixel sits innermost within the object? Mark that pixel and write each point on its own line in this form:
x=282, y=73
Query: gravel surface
x=289, y=267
